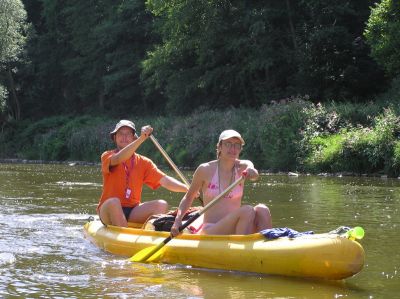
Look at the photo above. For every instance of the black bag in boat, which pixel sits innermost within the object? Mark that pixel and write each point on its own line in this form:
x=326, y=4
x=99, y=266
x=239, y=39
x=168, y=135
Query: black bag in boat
x=164, y=222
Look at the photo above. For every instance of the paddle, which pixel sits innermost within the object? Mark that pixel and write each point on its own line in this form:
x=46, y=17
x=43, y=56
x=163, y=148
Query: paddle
x=145, y=254
x=164, y=153
x=166, y=156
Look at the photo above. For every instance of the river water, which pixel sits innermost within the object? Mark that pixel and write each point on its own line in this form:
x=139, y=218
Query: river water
x=43, y=252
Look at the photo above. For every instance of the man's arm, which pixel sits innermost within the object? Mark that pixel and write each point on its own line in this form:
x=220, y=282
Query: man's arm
x=172, y=184
x=125, y=153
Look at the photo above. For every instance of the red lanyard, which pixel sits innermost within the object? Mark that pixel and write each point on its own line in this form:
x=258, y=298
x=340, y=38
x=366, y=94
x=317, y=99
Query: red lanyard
x=128, y=172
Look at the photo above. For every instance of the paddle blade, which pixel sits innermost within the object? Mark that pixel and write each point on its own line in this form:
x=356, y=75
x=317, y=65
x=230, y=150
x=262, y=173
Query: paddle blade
x=143, y=254
x=156, y=257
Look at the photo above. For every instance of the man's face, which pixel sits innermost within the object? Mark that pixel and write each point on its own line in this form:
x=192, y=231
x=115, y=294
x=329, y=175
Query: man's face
x=124, y=136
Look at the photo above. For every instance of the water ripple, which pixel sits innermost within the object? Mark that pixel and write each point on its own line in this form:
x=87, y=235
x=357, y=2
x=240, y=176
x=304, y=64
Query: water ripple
x=43, y=252
x=7, y=258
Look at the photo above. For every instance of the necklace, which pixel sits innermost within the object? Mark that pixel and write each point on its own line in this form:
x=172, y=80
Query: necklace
x=219, y=178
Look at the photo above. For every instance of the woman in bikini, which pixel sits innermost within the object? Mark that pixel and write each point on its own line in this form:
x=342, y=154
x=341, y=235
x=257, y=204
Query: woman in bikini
x=227, y=216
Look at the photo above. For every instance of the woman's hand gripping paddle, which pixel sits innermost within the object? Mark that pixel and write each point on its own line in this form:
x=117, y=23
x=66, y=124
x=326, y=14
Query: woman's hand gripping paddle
x=152, y=253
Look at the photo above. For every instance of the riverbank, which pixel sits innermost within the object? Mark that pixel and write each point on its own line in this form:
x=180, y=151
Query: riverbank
x=70, y=163
x=262, y=171
x=294, y=135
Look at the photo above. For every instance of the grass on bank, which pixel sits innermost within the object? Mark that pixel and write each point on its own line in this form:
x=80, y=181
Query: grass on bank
x=362, y=150
x=293, y=135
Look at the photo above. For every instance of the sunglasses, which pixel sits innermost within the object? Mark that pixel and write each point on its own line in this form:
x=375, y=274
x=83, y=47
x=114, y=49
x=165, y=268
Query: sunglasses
x=229, y=145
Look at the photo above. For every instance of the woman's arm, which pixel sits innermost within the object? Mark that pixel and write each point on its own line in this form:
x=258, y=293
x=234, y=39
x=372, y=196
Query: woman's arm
x=187, y=200
x=248, y=167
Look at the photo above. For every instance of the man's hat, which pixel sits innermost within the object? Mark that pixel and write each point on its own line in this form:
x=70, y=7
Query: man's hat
x=120, y=124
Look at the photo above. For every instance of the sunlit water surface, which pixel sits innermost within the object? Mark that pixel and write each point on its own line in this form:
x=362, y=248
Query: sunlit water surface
x=43, y=252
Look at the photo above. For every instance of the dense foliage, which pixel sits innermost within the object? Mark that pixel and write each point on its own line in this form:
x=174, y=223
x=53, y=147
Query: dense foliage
x=112, y=57
x=221, y=53
x=313, y=85
x=13, y=30
x=382, y=33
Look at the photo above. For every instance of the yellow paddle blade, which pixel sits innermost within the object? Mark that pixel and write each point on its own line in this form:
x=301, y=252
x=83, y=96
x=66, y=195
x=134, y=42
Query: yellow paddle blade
x=156, y=256
x=144, y=254
x=141, y=256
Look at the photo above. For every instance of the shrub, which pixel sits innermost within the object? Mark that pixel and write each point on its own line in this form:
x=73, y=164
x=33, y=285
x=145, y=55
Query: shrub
x=193, y=139
x=396, y=159
x=30, y=137
x=279, y=130
x=361, y=150
x=294, y=134
x=327, y=152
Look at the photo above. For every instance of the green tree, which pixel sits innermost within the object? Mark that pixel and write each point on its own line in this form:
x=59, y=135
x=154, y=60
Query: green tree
x=382, y=33
x=110, y=39
x=220, y=53
x=84, y=69
x=45, y=88
x=333, y=57
x=86, y=57
x=126, y=34
x=246, y=53
x=13, y=30
x=125, y=56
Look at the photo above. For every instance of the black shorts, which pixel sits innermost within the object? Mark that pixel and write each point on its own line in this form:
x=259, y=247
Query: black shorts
x=126, y=210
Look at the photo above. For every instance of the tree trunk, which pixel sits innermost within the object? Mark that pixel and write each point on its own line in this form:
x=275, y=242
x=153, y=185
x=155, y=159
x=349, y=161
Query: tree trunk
x=101, y=101
x=15, y=105
x=291, y=26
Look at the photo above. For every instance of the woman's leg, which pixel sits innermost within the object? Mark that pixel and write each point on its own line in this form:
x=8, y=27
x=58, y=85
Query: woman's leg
x=263, y=219
x=143, y=211
x=111, y=213
x=239, y=222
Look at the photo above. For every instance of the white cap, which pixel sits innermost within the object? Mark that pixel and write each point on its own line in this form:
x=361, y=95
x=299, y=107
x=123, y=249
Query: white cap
x=230, y=134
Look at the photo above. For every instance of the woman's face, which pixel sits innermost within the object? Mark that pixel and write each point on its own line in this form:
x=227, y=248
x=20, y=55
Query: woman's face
x=124, y=136
x=230, y=148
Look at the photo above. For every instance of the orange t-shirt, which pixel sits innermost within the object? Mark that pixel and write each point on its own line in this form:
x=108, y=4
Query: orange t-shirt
x=132, y=174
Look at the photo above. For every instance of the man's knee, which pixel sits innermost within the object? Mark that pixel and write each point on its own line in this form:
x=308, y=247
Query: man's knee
x=111, y=202
x=162, y=206
x=110, y=211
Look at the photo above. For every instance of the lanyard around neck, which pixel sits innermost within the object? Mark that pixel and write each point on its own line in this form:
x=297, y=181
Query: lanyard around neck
x=128, y=171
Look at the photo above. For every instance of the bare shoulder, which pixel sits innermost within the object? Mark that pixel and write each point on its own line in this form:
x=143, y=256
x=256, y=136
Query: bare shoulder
x=206, y=169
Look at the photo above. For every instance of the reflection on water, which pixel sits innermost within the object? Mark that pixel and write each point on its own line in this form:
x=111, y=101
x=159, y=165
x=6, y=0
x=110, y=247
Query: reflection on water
x=43, y=251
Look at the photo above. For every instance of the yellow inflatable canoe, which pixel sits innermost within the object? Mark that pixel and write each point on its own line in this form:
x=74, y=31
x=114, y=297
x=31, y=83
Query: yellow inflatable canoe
x=325, y=256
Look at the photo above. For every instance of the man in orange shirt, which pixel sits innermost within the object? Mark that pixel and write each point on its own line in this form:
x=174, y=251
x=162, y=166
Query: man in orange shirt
x=124, y=173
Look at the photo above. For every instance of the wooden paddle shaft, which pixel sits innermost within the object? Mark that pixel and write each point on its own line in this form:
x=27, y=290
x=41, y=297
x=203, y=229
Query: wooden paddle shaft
x=164, y=153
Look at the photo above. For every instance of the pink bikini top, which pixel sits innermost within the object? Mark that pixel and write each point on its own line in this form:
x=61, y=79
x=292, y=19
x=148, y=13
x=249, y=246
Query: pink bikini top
x=213, y=188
